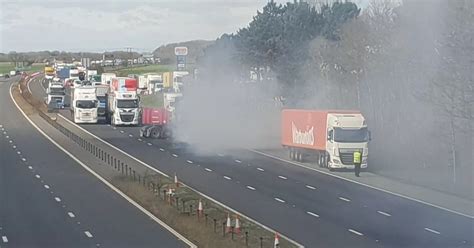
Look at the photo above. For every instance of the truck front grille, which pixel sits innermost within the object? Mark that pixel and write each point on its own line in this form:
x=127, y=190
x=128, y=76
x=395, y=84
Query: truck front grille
x=127, y=118
x=347, y=158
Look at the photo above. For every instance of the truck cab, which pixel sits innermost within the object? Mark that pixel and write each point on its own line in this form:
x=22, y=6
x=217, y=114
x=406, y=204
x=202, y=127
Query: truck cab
x=84, y=105
x=346, y=133
x=56, y=94
x=123, y=108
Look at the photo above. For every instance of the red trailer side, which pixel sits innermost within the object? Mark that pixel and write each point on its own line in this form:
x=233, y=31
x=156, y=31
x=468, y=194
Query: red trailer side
x=155, y=116
x=304, y=128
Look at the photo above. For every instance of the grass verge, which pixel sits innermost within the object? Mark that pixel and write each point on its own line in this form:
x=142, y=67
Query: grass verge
x=144, y=69
x=152, y=101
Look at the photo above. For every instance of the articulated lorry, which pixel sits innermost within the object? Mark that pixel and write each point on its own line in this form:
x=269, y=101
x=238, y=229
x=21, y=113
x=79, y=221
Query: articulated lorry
x=84, y=104
x=56, y=94
x=173, y=81
x=123, y=102
x=157, y=121
x=49, y=72
x=328, y=137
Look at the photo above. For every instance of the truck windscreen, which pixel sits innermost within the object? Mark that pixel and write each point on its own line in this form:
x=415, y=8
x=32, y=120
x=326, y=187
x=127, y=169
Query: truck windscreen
x=85, y=104
x=127, y=103
x=56, y=91
x=351, y=135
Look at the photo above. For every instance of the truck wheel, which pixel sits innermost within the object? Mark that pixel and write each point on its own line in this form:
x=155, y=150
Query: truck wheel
x=156, y=133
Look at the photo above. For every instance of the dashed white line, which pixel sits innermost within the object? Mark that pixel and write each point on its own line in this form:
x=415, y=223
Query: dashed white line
x=238, y=161
x=88, y=234
x=7, y=137
x=189, y=161
x=10, y=141
x=18, y=152
x=14, y=147
x=114, y=128
x=130, y=135
x=432, y=231
x=4, y=132
x=161, y=149
x=313, y=214
x=250, y=187
x=310, y=187
x=220, y=155
x=174, y=155
x=355, y=232
x=384, y=213
x=57, y=199
x=4, y=239
x=207, y=169
x=30, y=167
x=260, y=169
x=344, y=199
x=37, y=176
x=122, y=131
x=150, y=144
x=139, y=139
x=282, y=177
x=46, y=186
x=279, y=200
x=23, y=159
x=71, y=214
x=228, y=178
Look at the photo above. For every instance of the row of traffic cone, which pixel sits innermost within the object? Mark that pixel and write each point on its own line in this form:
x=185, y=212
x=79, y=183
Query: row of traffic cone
x=237, y=228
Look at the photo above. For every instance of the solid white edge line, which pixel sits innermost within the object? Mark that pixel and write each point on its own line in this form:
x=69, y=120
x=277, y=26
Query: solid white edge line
x=363, y=184
x=313, y=214
x=432, y=230
x=355, y=232
x=200, y=193
x=153, y=217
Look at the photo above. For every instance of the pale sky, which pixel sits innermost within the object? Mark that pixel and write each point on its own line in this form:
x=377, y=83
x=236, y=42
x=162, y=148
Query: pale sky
x=99, y=25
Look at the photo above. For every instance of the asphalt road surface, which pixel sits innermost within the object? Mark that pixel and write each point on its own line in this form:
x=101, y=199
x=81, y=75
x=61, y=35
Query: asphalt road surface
x=48, y=200
x=312, y=208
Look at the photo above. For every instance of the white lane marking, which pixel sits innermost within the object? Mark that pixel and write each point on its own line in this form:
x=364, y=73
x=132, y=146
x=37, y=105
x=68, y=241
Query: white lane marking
x=18, y=152
x=363, y=184
x=310, y=187
x=260, y=169
x=37, y=176
x=238, y=161
x=71, y=214
x=220, y=155
x=88, y=234
x=344, y=199
x=7, y=137
x=282, y=177
x=174, y=155
x=14, y=147
x=10, y=141
x=313, y=214
x=114, y=128
x=228, y=178
x=384, y=213
x=46, y=186
x=161, y=149
x=139, y=139
x=279, y=200
x=122, y=131
x=207, y=169
x=355, y=232
x=157, y=171
x=432, y=231
x=29, y=167
x=4, y=239
x=250, y=187
x=57, y=199
x=150, y=144
x=4, y=132
x=23, y=159
x=189, y=161
x=130, y=135
x=108, y=125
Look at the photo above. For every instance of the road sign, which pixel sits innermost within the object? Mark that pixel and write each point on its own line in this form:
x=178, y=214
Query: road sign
x=181, y=51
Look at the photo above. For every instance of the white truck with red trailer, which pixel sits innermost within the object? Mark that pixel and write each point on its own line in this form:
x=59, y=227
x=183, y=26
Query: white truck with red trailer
x=123, y=102
x=326, y=136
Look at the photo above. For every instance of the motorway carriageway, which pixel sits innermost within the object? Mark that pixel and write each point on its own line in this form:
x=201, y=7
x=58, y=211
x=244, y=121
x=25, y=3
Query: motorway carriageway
x=309, y=207
x=48, y=200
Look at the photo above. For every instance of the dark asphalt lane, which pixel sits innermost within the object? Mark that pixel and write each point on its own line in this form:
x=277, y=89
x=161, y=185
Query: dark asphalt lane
x=345, y=210
x=109, y=219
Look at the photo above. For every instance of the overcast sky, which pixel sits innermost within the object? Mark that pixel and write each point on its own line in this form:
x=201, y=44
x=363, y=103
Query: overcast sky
x=99, y=25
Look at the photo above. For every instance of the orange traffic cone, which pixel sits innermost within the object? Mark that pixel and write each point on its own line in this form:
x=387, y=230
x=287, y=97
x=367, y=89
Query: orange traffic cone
x=176, y=180
x=200, y=210
x=276, y=244
x=237, y=225
x=228, y=227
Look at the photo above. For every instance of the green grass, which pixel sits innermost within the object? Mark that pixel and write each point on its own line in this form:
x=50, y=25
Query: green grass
x=144, y=69
x=152, y=101
x=6, y=67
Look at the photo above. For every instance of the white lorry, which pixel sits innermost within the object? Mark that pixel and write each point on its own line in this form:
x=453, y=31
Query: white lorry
x=178, y=79
x=56, y=94
x=123, y=102
x=150, y=83
x=106, y=78
x=84, y=104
